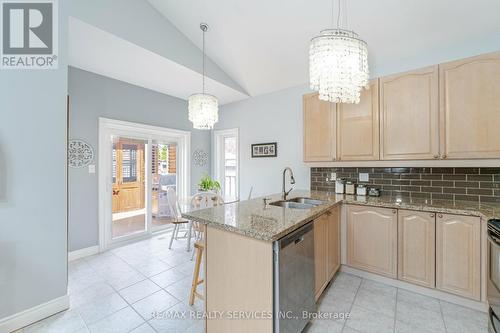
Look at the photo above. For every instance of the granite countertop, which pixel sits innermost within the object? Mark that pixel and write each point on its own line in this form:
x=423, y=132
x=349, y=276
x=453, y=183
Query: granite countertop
x=269, y=223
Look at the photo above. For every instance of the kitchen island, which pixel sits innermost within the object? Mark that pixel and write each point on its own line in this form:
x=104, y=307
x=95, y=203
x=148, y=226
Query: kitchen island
x=239, y=243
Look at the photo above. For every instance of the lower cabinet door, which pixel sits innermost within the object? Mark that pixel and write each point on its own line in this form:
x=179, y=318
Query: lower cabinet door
x=333, y=243
x=372, y=239
x=320, y=253
x=416, y=247
x=458, y=251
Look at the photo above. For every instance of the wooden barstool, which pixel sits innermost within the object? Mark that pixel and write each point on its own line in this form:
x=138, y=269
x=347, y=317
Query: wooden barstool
x=199, y=201
x=199, y=247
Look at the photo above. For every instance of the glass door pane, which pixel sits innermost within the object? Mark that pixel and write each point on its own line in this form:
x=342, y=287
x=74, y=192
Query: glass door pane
x=129, y=186
x=230, y=169
x=164, y=176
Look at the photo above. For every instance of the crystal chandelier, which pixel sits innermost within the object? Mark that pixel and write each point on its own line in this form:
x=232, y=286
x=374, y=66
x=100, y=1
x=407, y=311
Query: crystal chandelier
x=338, y=64
x=203, y=108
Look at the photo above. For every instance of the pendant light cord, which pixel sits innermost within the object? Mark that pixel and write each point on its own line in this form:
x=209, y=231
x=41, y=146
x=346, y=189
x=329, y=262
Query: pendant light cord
x=333, y=14
x=203, y=62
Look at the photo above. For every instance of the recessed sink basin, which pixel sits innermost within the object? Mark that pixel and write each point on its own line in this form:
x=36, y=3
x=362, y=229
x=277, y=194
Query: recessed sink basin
x=291, y=204
x=307, y=201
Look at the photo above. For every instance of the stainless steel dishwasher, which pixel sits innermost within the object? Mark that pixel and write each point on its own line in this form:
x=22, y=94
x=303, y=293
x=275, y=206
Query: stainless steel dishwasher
x=294, y=280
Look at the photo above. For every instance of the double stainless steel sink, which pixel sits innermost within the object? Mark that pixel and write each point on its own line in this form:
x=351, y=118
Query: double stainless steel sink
x=298, y=203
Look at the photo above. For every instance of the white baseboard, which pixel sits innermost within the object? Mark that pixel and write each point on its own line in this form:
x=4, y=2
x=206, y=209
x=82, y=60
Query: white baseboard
x=39, y=312
x=444, y=296
x=88, y=251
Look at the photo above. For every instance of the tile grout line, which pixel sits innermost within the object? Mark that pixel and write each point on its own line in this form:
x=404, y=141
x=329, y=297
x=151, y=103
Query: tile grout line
x=442, y=316
x=117, y=291
x=352, y=304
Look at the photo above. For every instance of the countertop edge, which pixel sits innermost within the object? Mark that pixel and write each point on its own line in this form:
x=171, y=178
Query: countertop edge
x=330, y=205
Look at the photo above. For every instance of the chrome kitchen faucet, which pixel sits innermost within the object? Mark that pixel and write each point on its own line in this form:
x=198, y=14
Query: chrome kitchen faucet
x=285, y=193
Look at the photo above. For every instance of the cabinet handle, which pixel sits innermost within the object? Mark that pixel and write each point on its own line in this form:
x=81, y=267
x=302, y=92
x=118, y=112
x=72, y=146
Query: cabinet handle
x=440, y=216
x=436, y=156
x=432, y=215
x=394, y=211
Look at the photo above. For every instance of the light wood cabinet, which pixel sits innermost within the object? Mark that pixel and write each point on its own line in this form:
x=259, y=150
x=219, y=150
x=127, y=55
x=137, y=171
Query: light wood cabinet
x=326, y=248
x=239, y=277
x=333, y=242
x=358, y=127
x=319, y=129
x=409, y=115
x=320, y=254
x=458, y=251
x=416, y=247
x=372, y=239
x=470, y=107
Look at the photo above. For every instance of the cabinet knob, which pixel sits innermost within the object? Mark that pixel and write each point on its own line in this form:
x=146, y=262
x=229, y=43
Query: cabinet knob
x=436, y=156
x=444, y=156
x=333, y=159
x=440, y=216
x=394, y=211
x=432, y=215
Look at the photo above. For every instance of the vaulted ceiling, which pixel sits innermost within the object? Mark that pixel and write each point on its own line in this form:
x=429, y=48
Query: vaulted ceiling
x=263, y=44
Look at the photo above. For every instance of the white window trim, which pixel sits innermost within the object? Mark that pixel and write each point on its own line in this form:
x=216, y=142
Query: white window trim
x=217, y=142
x=108, y=127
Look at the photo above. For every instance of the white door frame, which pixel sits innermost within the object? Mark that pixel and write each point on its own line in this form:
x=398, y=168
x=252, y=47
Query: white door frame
x=108, y=127
x=218, y=142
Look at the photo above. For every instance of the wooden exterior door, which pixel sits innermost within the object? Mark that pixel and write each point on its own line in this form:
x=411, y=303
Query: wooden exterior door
x=358, y=127
x=417, y=248
x=409, y=115
x=128, y=175
x=372, y=239
x=319, y=129
x=470, y=107
x=458, y=255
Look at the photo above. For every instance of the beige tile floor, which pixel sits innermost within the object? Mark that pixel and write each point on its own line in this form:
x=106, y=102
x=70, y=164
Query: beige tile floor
x=118, y=291
x=376, y=307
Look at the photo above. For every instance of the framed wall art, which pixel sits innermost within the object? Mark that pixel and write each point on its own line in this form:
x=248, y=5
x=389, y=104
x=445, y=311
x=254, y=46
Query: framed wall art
x=265, y=149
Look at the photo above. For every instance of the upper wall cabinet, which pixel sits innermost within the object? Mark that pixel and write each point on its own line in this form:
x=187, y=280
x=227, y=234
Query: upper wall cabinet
x=470, y=107
x=409, y=115
x=358, y=127
x=319, y=129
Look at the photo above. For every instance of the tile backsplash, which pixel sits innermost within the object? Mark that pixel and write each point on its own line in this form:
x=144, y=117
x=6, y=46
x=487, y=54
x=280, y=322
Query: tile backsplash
x=471, y=184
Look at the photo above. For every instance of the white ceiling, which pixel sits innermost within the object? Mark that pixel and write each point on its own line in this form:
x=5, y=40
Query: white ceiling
x=263, y=44
x=100, y=52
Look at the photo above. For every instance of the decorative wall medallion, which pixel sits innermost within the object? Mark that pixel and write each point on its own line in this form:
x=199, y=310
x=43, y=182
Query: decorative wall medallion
x=80, y=154
x=200, y=158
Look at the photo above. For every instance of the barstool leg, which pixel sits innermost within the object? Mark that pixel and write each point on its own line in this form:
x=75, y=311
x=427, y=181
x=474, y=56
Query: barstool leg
x=196, y=274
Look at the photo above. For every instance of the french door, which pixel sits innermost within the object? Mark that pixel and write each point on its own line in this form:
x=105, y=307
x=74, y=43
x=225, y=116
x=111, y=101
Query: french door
x=138, y=164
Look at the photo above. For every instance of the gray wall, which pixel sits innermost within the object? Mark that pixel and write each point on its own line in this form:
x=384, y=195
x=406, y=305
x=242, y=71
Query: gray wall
x=268, y=118
x=93, y=96
x=33, y=258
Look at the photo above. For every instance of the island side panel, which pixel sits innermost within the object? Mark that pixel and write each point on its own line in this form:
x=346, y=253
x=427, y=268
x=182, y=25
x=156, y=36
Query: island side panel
x=239, y=276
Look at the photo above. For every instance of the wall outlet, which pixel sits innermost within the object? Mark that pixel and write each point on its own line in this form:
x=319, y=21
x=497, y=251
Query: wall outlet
x=92, y=168
x=333, y=176
x=364, y=177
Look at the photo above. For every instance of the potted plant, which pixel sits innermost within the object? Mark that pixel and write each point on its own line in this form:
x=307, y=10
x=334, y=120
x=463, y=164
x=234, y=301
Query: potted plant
x=208, y=184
